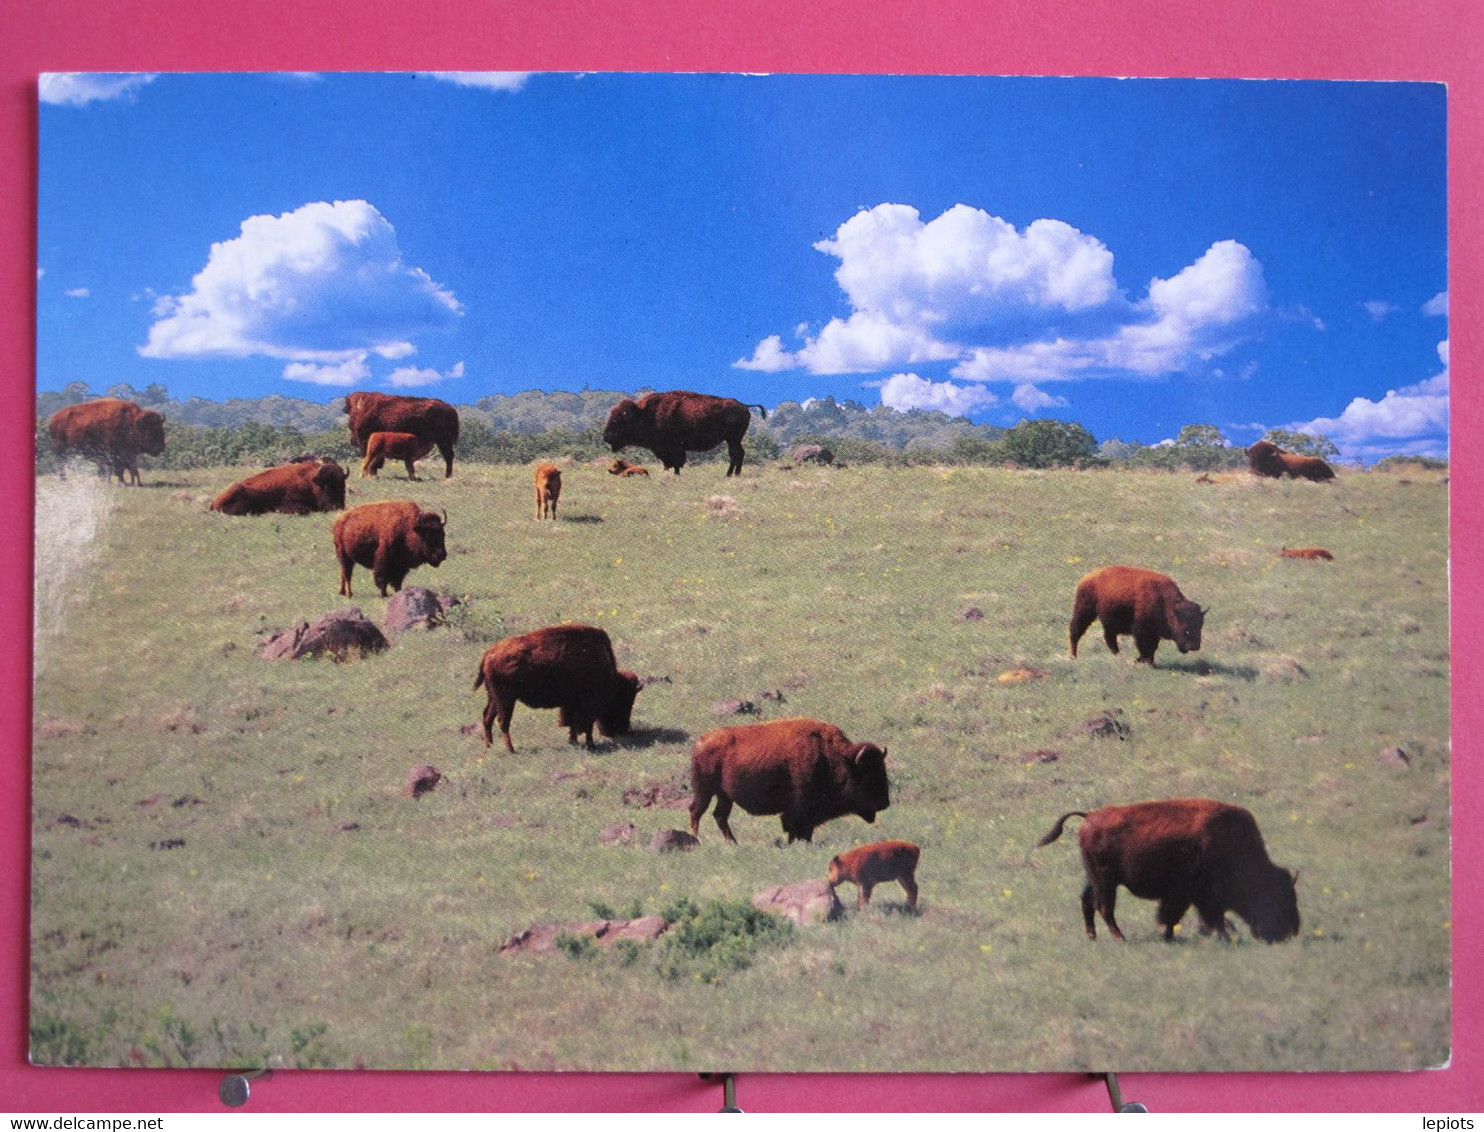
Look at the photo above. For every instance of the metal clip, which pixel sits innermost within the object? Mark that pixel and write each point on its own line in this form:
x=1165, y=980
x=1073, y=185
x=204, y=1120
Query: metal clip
x=1115, y=1095
x=728, y=1090
x=236, y=1087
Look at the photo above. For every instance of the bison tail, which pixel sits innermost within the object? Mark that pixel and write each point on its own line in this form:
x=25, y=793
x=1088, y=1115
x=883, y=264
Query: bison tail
x=479, y=680
x=762, y=412
x=1057, y=828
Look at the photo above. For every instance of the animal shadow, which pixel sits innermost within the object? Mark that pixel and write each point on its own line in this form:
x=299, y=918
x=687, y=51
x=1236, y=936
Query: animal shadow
x=156, y=484
x=644, y=737
x=582, y=518
x=1211, y=668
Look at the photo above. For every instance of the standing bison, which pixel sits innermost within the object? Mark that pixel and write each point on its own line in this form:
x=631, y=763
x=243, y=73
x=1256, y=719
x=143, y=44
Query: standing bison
x=567, y=667
x=384, y=446
x=1266, y=459
x=870, y=865
x=672, y=424
x=430, y=420
x=297, y=488
x=1183, y=852
x=548, y=489
x=110, y=432
x=389, y=539
x=804, y=770
x=1130, y=601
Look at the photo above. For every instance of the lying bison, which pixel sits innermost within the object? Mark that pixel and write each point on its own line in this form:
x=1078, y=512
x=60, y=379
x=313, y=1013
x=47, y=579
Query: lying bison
x=567, y=667
x=292, y=489
x=389, y=539
x=110, y=432
x=804, y=770
x=870, y=865
x=672, y=424
x=384, y=446
x=430, y=420
x=1130, y=601
x=1266, y=459
x=1183, y=852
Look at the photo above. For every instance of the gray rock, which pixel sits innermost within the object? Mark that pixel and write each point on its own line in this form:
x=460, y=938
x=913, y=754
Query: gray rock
x=673, y=841
x=422, y=780
x=804, y=902
x=339, y=635
x=417, y=607
x=619, y=833
x=541, y=938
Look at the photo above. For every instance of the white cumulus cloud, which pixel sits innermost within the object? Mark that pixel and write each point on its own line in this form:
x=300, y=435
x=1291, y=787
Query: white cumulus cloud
x=906, y=391
x=1032, y=400
x=1378, y=309
x=323, y=286
x=407, y=376
x=482, y=80
x=349, y=372
x=1004, y=304
x=74, y=88
x=1413, y=418
x=77, y=293
x=1437, y=305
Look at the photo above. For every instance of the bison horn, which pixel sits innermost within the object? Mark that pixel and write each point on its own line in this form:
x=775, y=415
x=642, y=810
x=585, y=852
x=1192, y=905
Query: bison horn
x=1293, y=875
x=445, y=516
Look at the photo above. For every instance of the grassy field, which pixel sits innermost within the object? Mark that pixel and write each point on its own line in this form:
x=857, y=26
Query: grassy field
x=199, y=900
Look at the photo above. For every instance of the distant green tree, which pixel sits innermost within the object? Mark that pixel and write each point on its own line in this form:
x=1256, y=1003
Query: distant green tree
x=1303, y=443
x=1200, y=436
x=1049, y=443
x=1119, y=450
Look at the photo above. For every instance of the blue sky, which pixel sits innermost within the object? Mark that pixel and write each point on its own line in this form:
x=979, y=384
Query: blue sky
x=1134, y=255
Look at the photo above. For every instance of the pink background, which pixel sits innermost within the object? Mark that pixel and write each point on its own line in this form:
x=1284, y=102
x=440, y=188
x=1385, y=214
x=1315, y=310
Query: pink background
x=1338, y=39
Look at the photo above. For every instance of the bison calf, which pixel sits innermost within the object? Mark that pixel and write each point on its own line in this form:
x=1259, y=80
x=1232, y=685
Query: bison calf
x=1183, y=852
x=567, y=667
x=870, y=865
x=548, y=490
x=1130, y=601
x=806, y=771
x=384, y=446
x=1313, y=553
x=621, y=467
x=389, y=539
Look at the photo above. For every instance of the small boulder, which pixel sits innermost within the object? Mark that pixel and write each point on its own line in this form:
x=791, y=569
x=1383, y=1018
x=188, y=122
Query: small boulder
x=811, y=454
x=804, y=902
x=417, y=607
x=673, y=841
x=1105, y=725
x=339, y=635
x=619, y=833
x=734, y=707
x=422, y=780
x=1395, y=757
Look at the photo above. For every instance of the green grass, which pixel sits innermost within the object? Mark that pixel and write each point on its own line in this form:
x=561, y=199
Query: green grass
x=271, y=934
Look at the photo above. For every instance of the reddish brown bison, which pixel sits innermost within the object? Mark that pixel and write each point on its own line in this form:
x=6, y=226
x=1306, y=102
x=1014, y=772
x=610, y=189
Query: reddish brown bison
x=870, y=865
x=672, y=424
x=383, y=446
x=1313, y=553
x=804, y=770
x=548, y=489
x=427, y=418
x=389, y=539
x=110, y=432
x=621, y=467
x=1130, y=601
x=293, y=489
x=567, y=667
x=1266, y=459
x=1183, y=852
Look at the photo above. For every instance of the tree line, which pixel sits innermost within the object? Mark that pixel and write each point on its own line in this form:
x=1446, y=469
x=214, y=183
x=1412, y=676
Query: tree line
x=518, y=428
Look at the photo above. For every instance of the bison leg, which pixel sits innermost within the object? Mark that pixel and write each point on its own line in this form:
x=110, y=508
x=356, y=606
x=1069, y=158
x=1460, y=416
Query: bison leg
x=1213, y=921
x=1110, y=638
x=700, y=799
x=909, y=886
x=722, y=812
x=735, y=451
x=1146, y=642
x=347, y=566
x=1171, y=911
x=1087, y=913
x=445, y=449
x=498, y=710
x=863, y=895
x=1105, y=896
x=411, y=471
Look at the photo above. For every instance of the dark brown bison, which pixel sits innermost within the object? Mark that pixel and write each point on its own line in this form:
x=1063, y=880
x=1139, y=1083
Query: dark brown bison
x=870, y=865
x=804, y=770
x=548, y=489
x=1266, y=459
x=567, y=667
x=383, y=446
x=431, y=420
x=672, y=424
x=1313, y=553
x=1130, y=601
x=110, y=432
x=293, y=489
x=1183, y=852
x=621, y=467
x=389, y=539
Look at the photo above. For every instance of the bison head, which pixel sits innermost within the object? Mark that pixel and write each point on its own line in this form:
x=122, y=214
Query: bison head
x=1274, y=915
x=869, y=792
x=625, y=426
x=1265, y=458
x=429, y=529
x=149, y=433
x=1189, y=617
x=619, y=711
x=329, y=485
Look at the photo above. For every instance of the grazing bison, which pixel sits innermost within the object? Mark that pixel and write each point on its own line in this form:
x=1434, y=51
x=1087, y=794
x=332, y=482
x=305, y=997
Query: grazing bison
x=389, y=539
x=1314, y=553
x=383, y=446
x=1266, y=459
x=804, y=770
x=870, y=865
x=548, y=489
x=1133, y=602
x=621, y=467
x=430, y=420
x=567, y=667
x=110, y=432
x=293, y=489
x=1181, y=852
x=672, y=424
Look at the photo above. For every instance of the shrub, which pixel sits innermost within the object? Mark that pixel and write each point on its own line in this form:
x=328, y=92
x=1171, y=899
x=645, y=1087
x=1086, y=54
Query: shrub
x=706, y=941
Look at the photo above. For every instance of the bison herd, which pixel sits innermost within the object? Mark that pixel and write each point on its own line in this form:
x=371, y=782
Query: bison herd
x=1181, y=853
